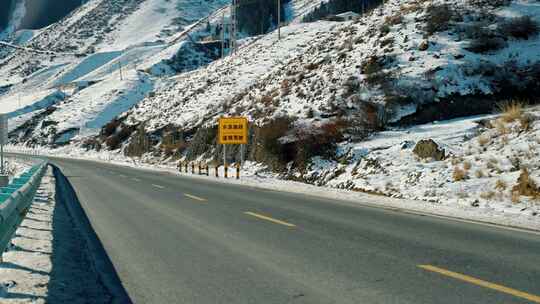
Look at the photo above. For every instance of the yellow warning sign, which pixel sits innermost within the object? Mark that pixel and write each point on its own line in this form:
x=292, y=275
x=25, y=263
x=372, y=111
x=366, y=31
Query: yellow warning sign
x=233, y=131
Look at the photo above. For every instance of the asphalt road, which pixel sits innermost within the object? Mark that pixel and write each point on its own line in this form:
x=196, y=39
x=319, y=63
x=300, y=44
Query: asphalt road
x=174, y=239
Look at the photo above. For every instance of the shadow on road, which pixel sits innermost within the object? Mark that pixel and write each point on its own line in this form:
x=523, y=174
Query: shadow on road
x=82, y=271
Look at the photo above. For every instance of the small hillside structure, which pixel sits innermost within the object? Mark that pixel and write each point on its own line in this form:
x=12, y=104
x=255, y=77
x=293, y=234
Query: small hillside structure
x=347, y=16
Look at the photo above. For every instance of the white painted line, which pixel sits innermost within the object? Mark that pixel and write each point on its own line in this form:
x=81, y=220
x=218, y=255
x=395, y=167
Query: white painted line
x=158, y=186
x=136, y=179
x=195, y=197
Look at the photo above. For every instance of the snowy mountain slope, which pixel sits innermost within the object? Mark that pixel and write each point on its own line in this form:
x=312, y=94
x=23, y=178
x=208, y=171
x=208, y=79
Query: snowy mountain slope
x=346, y=67
x=358, y=75
x=120, y=38
x=192, y=95
x=33, y=74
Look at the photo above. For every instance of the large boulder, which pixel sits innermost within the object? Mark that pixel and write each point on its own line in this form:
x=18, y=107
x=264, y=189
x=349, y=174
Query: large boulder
x=428, y=148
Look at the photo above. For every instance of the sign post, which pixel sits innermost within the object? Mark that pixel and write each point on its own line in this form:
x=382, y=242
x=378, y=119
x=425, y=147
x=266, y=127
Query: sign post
x=232, y=131
x=3, y=140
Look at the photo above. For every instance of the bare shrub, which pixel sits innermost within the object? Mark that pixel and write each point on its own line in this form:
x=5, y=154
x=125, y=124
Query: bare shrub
x=482, y=39
x=406, y=9
x=485, y=44
x=285, y=87
x=489, y=195
x=394, y=19
x=490, y=3
x=467, y=165
x=525, y=185
x=311, y=66
x=384, y=30
x=371, y=66
x=520, y=27
x=110, y=128
x=438, y=18
x=267, y=100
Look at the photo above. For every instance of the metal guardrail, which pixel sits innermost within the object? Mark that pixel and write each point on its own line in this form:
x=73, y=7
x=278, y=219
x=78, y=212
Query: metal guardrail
x=15, y=200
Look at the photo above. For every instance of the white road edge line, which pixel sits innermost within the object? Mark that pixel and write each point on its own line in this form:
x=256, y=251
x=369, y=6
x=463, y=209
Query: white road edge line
x=158, y=186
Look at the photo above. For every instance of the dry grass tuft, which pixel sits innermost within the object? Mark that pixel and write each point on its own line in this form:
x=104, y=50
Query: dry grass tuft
x=479, y=173
x=456, y=161
x=467, y=165
x=483, y=140
x=511, y=111
x=500, y=185
x=525, y=122
x=459, y=174
x=489, y=195
x=515, y=197
x=501, y=127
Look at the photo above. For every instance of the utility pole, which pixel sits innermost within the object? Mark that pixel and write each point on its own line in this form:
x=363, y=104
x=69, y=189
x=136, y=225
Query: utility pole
x=279, y=19
x=223, y=35
x=233, y=26
x=120, y=68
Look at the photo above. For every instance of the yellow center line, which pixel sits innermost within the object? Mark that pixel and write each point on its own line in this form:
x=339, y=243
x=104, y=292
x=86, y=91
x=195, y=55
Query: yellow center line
x=200, y=199
x=479, y=282
x=273, y=220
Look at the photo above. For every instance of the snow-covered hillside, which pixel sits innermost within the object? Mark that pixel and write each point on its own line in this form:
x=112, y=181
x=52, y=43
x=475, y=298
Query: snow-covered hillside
x=105, y=57
x=407, y=61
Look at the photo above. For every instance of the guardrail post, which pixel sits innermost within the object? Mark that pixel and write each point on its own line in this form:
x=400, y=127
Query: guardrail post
x=238, y=171
x=207, y=169
x=186, y=166
x=180, y=166
x=226, y=171
x=200, y=168
x=217, y=171
x=192, y=168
